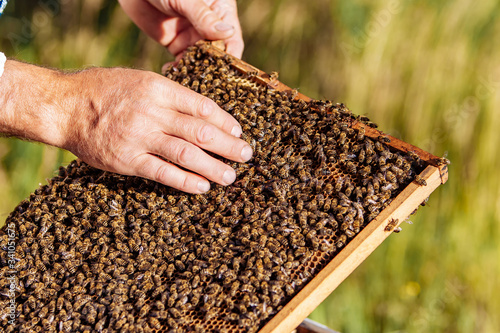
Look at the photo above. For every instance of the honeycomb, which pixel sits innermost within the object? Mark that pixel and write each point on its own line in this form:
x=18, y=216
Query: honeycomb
x=94, y=251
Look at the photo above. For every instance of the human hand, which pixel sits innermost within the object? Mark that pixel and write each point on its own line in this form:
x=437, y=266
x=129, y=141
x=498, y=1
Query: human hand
x=128, y=117
x=178, y=24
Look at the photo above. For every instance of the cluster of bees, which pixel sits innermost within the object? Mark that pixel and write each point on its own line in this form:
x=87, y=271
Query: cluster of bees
x=101, y=252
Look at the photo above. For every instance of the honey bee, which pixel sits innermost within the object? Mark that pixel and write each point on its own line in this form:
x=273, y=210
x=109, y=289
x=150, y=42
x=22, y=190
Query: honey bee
x=284, y=171
x=349, y=188
x=361, y=134
x=443, y=160
x=399, y=161
x=390, y=177
x=80, y=303
x=391, y=226
x=341, y=241
x=133, y=246
x=420, y=181
x=121, y=322
x=175, y=313
x=207, y=271
x=342, y=138
x=406, y=166
x=276, y=299
x=349, y=233
x=40, y=266
x=100, y=324
x=273, y=76
x=172, y=323
x=302, y=251
x=413, y=155
x=66, y=325
x=384, y=139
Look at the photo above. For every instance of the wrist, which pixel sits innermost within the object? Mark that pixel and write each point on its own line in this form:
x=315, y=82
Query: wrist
x=87, y=95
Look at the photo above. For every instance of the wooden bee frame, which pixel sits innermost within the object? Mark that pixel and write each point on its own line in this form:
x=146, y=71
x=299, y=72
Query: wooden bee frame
x=364, y=243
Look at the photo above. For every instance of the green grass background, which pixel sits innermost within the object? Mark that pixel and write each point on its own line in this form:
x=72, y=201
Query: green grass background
x=426, y=71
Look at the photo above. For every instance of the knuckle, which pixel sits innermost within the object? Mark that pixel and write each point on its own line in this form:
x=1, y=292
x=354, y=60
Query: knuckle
x=205, y=107
x=176, y=5
x=162, y=174
x=228, y=122
x=184, y=184
x=236, y=152
x=205, y=134
x=185, y=154
x=233, y=146
x=205, y=16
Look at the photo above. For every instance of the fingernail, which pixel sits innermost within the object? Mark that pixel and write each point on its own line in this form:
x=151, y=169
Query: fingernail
x=236, y=131
x=229, y=177
x=203, y=186
x=222, y=27
x=246, y=153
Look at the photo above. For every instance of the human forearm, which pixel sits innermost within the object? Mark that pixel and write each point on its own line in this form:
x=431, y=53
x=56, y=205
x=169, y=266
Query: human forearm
x=34, y=103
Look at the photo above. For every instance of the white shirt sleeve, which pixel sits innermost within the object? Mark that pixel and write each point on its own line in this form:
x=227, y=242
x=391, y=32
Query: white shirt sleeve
x=3, y=59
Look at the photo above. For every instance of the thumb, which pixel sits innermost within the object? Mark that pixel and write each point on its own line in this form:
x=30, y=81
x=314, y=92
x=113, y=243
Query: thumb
x=206, y=22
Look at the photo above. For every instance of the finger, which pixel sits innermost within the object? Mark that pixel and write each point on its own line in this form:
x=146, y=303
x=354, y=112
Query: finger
x=191, y=103
x=208, y=24
x=209, y=137
x=183, y=40
x=158, y=170
x=161, y=26
x=228, y=11
x=152, y=21
x=189, y=156
x=235, y=46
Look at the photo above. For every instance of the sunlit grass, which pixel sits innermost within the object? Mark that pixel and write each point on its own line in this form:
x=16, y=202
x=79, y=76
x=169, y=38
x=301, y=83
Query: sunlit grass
x=425, y=71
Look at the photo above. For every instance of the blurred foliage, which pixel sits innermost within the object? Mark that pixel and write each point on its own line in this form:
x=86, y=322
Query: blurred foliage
x=426, y=71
